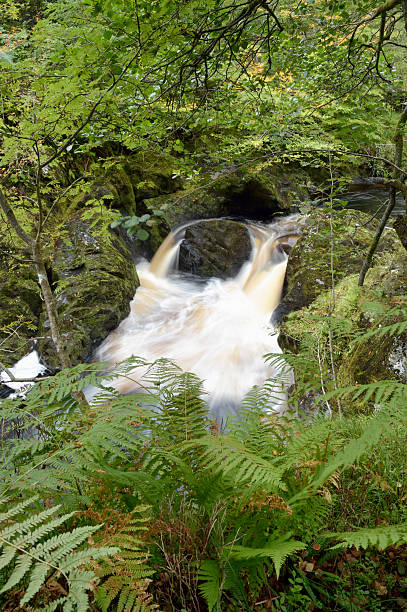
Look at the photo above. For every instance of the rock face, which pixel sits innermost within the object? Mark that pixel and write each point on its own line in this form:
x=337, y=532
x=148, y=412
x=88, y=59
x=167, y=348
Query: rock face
x=96, y=280
x=321, y=332
x=309, y=265
x=20, y=302
x=214, y=248
x=254, y=193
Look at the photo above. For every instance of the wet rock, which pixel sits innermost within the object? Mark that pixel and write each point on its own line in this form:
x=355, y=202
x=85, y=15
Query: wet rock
x=96, y=279
x=214, y=248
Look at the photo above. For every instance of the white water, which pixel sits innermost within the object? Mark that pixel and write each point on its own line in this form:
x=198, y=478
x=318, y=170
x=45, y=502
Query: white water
x=219, y=330
x=29, y=366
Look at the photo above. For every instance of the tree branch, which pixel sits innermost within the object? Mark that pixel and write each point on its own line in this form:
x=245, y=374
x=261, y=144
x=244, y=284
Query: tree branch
x=394, y=184
x=18, y=380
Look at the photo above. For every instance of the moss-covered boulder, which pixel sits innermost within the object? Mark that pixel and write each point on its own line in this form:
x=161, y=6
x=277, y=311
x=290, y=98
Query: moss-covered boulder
x=123, y=182
x=214, y=248
x=103, y=191
x=20, y=302
x=95, y=279
x=348, y=339
x=152, y=174
x=346, y=236
x=255, y=193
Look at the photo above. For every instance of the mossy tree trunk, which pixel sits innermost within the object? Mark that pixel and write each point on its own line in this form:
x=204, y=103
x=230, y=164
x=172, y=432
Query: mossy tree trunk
x=34, y=245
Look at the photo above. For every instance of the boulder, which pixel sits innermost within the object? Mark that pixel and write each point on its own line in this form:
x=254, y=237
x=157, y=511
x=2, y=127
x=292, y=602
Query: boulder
x=95, y=278
x=214, y=248
x=151, y=174
x=251, y=193
x=323, y=331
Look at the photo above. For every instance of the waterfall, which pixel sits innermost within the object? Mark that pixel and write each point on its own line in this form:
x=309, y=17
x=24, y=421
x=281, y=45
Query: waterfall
x=219, y=330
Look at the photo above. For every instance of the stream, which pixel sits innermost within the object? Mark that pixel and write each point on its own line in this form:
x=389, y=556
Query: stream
x=369, y=197
x=219, y=329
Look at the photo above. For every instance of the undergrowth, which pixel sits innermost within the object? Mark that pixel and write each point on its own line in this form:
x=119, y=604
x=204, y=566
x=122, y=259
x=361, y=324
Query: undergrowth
x=138, y=502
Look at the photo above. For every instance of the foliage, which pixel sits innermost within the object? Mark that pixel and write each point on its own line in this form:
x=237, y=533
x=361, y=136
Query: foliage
x=234, y=514
x=33, y=549
x=125, y=576
x=224, y=508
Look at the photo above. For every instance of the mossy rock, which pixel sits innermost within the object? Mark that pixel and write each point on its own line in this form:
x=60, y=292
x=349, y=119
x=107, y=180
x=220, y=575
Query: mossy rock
x=214, y=248
x=96, y=277
x=309, y=266
x=400, y=226
x=118, y=177
x=20, y=303
x=327, y=331
x=252, y=193
x=100, y=190
x=151, y=174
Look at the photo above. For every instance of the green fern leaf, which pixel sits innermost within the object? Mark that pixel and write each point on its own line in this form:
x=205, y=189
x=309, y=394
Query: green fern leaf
x=278, y=551
x=210, y=587
x=381, y=537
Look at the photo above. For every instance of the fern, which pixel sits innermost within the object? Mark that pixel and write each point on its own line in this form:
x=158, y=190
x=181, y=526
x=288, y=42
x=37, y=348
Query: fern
x=381, y=537
x=277, y=550
x=210, y=585
x=125, y=576
x=31, y=551
x=267, y=482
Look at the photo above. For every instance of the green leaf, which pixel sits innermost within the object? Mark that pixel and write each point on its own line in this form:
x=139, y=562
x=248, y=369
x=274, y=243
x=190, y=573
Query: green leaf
x=6, y=58
x=210, y=587
x=278, y=551
x=142, y=234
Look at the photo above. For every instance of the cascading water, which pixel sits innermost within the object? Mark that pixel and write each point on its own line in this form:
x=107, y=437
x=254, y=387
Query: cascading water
x=220, y=330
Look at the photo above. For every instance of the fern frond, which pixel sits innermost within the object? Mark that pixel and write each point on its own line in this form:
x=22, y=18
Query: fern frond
x=237, y=464
x=277, y=550
x=27, y=550
x=381, y=537
x=210, y=585
x=125, y=577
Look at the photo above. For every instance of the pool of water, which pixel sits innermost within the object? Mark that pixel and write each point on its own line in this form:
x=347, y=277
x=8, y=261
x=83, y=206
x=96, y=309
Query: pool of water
x=370, y=198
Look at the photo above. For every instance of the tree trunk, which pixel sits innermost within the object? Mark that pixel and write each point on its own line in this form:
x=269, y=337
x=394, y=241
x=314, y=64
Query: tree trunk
x=398, y=175
x=46, y=291
x=50, y=305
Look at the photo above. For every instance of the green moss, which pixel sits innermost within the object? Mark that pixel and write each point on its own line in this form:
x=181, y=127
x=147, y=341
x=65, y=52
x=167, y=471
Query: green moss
x=97, y=280
x=119, y=178
x=248, y=192
x=312, y=331
x=151, y=174
x=20, y=304
x=309, y=266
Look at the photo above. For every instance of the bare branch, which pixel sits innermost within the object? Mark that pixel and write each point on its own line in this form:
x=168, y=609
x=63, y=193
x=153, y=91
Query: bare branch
x=18, y=380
